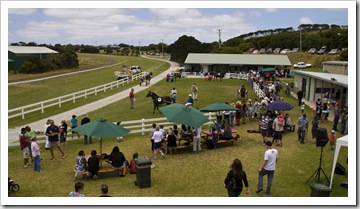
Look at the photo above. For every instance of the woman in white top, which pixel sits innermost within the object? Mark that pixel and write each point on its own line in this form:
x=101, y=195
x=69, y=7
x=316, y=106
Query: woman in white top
x=173, y=94
x=158, y=137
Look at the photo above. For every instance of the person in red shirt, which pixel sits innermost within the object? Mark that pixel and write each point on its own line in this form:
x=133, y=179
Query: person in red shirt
x=24, y=142
x=132, y=166
x=132, y=98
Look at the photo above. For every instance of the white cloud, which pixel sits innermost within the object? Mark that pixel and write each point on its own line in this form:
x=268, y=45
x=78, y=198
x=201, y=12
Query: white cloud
x=21, y=11
x=175, y=12
x=305, y=20
x=69, y=13
x=256, y=13
x=271, y=10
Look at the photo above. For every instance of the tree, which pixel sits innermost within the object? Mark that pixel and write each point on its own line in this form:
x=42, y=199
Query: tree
x=183, y=46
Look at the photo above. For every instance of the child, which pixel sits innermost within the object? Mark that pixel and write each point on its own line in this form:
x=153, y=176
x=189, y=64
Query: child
x=313, y=110
x=332, y=140
x=302, y=107
x=132, y=166
x=35, y=151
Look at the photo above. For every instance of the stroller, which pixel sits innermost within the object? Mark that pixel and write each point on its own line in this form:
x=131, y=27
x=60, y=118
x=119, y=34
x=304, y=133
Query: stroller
x=13, y=187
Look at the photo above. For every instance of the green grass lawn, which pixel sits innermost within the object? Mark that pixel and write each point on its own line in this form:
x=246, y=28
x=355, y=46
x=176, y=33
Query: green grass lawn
x=185, y=174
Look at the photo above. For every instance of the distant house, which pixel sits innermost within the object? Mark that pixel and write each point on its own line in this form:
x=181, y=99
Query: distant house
x=336, y=67
x=234, y=62
x=17, y=55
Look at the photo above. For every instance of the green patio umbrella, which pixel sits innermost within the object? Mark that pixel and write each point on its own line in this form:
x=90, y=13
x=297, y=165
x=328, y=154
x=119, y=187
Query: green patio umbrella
x=182, y=114
x=269, y=69
x=218, y=106
x=101, y=128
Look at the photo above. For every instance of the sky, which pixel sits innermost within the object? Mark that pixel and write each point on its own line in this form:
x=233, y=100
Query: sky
x=126, y=23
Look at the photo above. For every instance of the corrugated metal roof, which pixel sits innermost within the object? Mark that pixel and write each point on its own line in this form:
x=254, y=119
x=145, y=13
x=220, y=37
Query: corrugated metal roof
x=335, y=62
x=238, y=59
x=340, y=79
x=31, y=50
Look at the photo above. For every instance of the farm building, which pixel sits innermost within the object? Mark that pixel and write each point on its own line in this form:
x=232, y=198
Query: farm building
x=233, y=63
x=336, y=67
x=317, y=84
x=17, y=55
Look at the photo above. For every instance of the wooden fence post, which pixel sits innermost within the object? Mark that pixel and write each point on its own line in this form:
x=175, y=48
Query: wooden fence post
x=143, y=127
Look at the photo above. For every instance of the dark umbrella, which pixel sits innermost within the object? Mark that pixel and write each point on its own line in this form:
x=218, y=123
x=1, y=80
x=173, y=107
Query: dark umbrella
x=269, y=69
x=184, y=115
x=101, y=128
x=279, y=106
x=218, y=106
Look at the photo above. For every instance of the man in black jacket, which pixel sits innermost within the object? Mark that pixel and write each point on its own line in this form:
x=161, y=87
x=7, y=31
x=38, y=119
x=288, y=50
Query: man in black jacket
x=86, y=120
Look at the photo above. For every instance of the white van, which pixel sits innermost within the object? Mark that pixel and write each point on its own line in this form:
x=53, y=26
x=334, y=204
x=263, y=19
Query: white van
x=135, y=69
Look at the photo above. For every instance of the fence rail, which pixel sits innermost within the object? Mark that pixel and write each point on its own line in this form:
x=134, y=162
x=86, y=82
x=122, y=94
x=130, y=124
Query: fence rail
x=238, y=76
x=21, y=111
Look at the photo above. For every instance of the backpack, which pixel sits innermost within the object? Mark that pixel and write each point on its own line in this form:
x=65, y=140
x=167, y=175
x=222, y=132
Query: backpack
x=281, y=121
x=231, y=185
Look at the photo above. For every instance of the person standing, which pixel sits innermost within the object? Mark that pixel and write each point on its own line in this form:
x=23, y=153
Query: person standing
x=24, y=146
x=104, y=191
x=314, y=129
x=267, y=167
x=300, y=95
x=35, y=151
x=173, y=94
x=47, y=144
x=197, y=139
x=287, y=90
x=84, y=121
x=157, y=137
x=264, y=124
x=74, y=124
x=332, y=140
x=278, y=126
x=344, y=116
x=190, y=101
x=338, y=95
x=302, y=128
x=152, y=130
x=53, y=132
x=63, y=134
x=337, y=114
x=132, y=98
x=194, y=90
x=238, y=174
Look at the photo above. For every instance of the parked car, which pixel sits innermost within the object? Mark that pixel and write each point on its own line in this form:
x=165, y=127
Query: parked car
x=312, y=51
x=262, y=51
x=285, y=51
x=135, y=69
x=277, y=50
x=295, y=50
x=322, y=50
x=302, y=65
x=269, y=50
x=250, y=51
x=255, y=51
x=334, y=51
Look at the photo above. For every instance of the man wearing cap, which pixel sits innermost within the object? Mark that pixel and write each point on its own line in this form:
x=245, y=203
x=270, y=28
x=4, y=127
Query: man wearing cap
x=303, y=124
x=267, y=167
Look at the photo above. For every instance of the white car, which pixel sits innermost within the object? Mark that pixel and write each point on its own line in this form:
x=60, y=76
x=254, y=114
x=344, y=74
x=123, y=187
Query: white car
x=285, y=51
x=135, y=69
x=302, y=65
x=335, y=51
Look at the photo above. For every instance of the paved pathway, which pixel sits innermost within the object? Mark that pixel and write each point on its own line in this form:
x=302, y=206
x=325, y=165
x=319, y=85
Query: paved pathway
x=39, y=125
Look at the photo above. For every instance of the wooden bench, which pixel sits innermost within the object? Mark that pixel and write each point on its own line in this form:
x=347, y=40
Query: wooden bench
x=226, y=141
x=179, y=147
x=186, y=138
x=102, y=170
x=290, y=128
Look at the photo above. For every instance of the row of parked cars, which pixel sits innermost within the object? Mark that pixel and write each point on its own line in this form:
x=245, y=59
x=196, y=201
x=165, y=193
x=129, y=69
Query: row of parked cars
x=322, y=50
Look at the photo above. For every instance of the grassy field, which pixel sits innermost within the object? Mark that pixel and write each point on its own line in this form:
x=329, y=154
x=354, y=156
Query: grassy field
x=185, y=174
x=29, y=93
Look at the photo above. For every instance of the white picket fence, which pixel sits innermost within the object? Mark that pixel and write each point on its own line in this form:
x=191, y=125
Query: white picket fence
x=258, y=91
x=21, y=111
x=238, y=76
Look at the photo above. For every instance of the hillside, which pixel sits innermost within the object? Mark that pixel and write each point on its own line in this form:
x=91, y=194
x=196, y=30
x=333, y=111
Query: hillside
x=313, y=59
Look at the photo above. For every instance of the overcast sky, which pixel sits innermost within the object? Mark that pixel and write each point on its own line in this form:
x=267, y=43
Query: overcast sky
x=96, y=26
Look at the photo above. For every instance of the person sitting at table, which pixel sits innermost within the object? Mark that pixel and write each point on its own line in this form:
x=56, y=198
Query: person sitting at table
x=171, y=141
x=227, y=135
x=176, y=131
x=184, y=131
x=93, y=165
x=212, y=141
x=117, y=161
x=80, y=164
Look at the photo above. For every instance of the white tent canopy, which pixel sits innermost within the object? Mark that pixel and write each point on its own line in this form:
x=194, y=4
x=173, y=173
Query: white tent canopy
x=343, y=141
